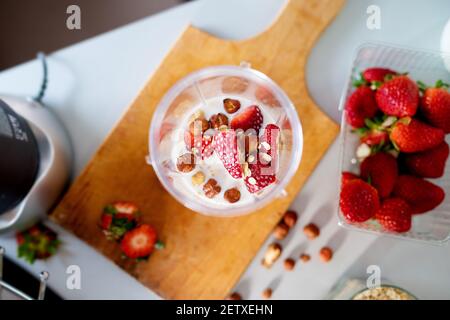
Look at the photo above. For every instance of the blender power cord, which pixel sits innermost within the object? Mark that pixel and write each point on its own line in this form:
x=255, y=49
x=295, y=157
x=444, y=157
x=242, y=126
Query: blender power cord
x=40, y=95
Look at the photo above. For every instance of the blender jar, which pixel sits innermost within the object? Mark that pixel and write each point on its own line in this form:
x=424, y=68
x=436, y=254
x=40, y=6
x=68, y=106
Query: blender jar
x=204, y=88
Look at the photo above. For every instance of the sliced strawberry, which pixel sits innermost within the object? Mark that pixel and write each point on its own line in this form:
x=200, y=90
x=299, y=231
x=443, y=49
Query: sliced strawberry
x=394, y=215
x=139, y=242
x=269, y=144
x=250, y=118
x=125, y=210
x=360, y=106
x=381, y=171
x=225, y=145
x=106, y=221
x=203, y=143
x=347, y=177
x=420, y=194
x=260, y=177
x=358, y=201
x=430, y=163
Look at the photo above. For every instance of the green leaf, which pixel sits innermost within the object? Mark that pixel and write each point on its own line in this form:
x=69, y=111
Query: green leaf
x=110, y=209
x=159, y=245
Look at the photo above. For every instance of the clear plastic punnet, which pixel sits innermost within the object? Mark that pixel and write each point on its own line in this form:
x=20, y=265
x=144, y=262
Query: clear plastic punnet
x=428, y=67
x=204, y=90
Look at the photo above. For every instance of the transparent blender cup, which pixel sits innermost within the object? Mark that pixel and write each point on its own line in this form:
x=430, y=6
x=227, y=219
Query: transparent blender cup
x=197, y=89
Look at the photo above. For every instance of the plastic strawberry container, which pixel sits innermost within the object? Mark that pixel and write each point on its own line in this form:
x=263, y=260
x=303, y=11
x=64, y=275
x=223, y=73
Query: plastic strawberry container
x=198, y=88
x=428, y=67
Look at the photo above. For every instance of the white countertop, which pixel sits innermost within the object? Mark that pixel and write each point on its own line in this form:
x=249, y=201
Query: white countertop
x=91, y=84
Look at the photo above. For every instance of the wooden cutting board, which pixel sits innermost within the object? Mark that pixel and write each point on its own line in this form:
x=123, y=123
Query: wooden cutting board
x=204, y=256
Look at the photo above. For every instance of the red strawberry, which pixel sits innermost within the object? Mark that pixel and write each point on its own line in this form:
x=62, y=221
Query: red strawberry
x=260, y=177
x=139, y=242
x=377, y=74
x=398, y=97
x=375, y=137
x=430, y=163
x=394, y=215
x=226, y=147
x=360, y=105
x=421, y=194
x=381, y=170
x=269, y=143
x=203, y=143
x=347, y=177
x=359, y=201
x=435, y=107
x=106, y=221
x=250, y=118
x=126, y=210
x=411, y=135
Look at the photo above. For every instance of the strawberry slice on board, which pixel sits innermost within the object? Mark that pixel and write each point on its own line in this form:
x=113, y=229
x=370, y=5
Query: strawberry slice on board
x=118, y=218
x=226, y=147
x=140, y=242
x=250, y=118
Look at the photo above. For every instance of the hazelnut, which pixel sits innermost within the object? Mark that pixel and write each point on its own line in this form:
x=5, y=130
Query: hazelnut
x=290, y=218
x=326, y=254
x=289, y=264
x=231, y=105
x=218, y=120
x=198, y=126
x=211, y=188
x=198, y=178
x=267, y=293
x=266, y=96
x=305, y=257
x=234, y=296
x=234, y=85
x=281, y=230
x=199, y=114
x=232, y=195
x=186, y=162
x=311, y=231
x=272, y=254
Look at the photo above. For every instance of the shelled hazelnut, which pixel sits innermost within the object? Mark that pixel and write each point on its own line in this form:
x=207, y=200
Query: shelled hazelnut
x=267, y=293
x=281, y=230
x=290, y=218
x=198, y=126
x=311, y=231
x=232, y=195
x=305, y=257
x=234, y=296
x=234, y=85
x=218, y=120
x=326, y=254
x=289, y=264
x=231, y=105
x=272, y=254
x=211, y=188
x=186, y=162
x=198, y=178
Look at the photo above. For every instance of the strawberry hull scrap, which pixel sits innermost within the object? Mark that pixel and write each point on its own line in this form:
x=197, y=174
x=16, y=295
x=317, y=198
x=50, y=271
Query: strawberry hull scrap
x=36, y=243
x=401, y=126
x=120, y=222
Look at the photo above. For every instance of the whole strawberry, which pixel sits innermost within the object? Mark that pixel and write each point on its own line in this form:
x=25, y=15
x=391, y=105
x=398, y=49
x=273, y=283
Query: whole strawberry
x=435, y=106
x=411, y=135
x=348, y=176
x=428, y=164
x=420, y=194
x=377, y=74
x=360, y=105
x=394, y=215
x=398, y=97
x=381, y=170
x=358, y=201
